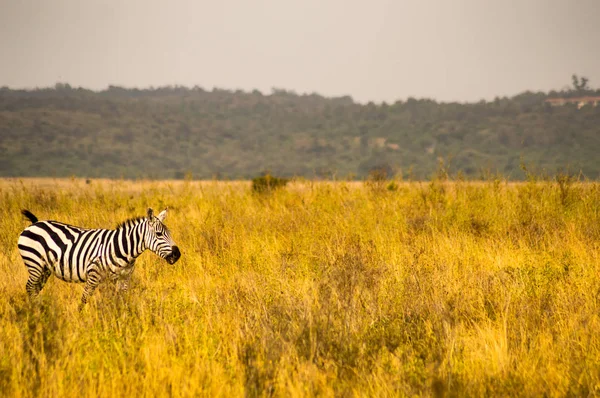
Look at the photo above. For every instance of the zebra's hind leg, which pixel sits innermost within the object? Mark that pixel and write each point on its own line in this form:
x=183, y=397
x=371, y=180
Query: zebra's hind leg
x=46, y=274
x=93, y=280
x=32, y=286
x=36, y=281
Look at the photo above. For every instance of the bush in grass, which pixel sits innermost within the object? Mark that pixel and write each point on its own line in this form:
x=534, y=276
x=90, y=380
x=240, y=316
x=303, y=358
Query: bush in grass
x=268, y=183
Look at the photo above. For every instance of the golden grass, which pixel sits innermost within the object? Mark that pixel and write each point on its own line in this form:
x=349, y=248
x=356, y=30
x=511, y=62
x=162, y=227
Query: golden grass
x=321, y=288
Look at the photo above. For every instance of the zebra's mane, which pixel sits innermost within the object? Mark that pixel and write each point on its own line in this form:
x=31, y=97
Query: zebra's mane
x=131, y=221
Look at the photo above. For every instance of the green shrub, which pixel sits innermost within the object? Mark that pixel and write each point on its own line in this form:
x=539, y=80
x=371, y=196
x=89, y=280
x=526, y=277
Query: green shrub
x=268, y=183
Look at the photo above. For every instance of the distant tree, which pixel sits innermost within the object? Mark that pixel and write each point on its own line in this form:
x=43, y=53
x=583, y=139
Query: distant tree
x=62, y=86
x=580, y=84
x=584, y=82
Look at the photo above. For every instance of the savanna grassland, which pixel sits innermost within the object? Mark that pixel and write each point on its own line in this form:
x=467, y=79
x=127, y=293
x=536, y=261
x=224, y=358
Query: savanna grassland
x=318, y=288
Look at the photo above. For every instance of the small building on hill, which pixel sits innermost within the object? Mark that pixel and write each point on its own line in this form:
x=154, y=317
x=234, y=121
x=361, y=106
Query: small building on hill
x=579, y=101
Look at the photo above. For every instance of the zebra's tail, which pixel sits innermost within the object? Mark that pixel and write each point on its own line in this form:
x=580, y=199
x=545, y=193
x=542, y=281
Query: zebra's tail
x=30, y=216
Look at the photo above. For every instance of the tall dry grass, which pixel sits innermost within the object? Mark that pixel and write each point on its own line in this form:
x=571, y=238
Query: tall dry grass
x=318, y=288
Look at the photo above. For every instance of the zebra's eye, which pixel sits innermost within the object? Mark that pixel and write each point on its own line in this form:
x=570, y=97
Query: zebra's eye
x=159, y=234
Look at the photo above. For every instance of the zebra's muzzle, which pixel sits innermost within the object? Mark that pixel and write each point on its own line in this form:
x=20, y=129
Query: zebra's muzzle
x=174, y=256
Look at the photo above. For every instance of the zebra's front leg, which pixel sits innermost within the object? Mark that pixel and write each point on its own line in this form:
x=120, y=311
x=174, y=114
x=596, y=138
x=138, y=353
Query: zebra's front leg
x=125, y=277
x=123, y=284
x=94, y=277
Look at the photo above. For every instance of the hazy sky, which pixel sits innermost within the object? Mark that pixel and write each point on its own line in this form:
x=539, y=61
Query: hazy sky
x=376, y=50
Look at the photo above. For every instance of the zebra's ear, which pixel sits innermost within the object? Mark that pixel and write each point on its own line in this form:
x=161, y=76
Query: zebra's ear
x=162, y=215
x=150, y=213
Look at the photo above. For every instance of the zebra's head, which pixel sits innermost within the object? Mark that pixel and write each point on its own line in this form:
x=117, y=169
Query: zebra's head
x=158, y=238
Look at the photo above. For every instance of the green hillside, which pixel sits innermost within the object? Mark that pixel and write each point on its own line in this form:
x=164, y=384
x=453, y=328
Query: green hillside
x=172, y=132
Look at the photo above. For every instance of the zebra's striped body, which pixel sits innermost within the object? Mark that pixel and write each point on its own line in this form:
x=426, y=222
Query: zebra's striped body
x=77, y=254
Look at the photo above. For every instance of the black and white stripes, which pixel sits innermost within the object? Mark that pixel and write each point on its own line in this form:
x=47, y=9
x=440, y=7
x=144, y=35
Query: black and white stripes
x=77, y=254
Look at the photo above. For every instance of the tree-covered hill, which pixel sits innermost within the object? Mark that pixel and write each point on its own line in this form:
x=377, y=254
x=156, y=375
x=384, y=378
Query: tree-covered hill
x=172, y=131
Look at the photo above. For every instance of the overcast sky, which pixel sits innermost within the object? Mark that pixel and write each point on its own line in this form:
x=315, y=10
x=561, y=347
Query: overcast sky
x=379, y=50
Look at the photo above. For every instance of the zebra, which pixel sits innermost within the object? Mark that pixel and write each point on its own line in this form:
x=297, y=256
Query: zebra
x=76, y=254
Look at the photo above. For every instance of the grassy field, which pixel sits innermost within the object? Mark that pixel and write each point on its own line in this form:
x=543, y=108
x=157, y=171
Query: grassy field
x=319, y=288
